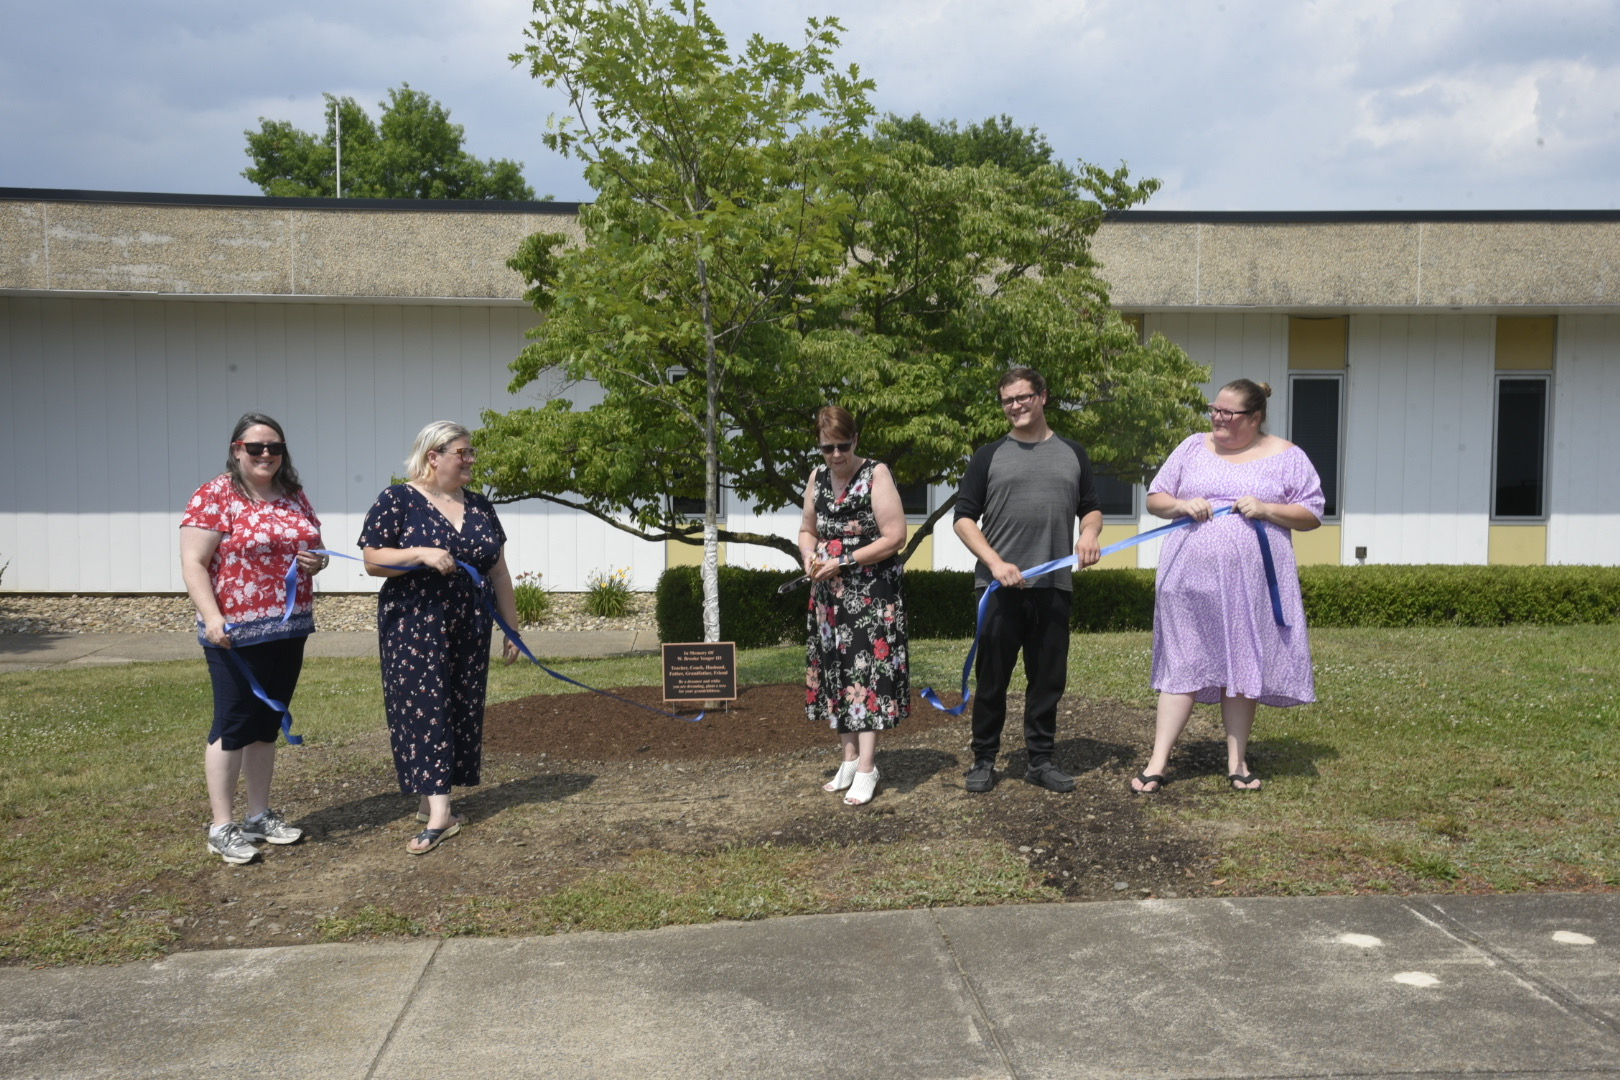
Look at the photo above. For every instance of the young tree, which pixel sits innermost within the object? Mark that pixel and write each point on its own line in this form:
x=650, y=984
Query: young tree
x=720, y=188
x=755, y=252
x=412, y=152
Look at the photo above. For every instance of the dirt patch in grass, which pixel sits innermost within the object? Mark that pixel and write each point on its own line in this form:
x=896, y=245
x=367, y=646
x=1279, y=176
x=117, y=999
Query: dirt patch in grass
x=579, y=788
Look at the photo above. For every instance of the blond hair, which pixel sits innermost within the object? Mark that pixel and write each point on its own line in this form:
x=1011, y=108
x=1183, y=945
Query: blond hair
x=435, y=437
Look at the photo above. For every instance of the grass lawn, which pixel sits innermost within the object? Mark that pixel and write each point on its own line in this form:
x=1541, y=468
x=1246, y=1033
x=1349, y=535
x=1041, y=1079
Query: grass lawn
x=1436, y=760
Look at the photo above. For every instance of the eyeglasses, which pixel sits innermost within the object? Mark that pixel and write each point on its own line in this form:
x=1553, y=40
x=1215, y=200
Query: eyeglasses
x=1019, y=399
x=466, y=453
x=260, y=449
x=1226, y=414
x=835, y=447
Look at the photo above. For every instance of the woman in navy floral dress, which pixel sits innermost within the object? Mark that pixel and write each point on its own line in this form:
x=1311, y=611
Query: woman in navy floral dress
x=433, y=628
x=857, y=680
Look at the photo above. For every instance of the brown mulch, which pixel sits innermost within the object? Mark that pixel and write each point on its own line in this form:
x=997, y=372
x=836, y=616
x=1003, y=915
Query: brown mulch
x=765, y=719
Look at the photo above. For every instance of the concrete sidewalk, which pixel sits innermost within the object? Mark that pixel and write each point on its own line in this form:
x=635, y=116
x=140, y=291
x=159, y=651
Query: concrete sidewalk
x=1520, y=986
x=22, y=652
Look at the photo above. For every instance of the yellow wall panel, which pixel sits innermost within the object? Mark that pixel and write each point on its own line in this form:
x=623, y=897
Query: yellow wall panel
x=679, y=554
x=1318, y=344
x=1120, y=560
x=1518, y=545
x=1525, y=344
x=1321, y=546
x=923, y=557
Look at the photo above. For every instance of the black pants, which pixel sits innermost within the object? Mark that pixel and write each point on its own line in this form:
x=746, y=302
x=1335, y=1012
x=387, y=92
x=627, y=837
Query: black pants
x=241, y=718
x=1035, y=621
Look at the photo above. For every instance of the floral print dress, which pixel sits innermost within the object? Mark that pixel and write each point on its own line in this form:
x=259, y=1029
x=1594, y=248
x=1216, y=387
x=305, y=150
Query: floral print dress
x=857, y=676
x=433, y=633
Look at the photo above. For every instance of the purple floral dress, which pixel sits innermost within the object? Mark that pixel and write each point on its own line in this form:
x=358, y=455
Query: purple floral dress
x=1213, y=628
x=433, y=633
x=856, y=674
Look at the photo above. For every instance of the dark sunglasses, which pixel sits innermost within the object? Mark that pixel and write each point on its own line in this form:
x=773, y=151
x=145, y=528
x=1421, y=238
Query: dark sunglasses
x=259, y=449
x=840, y=447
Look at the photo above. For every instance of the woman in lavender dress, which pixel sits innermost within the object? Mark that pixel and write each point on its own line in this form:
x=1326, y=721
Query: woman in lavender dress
x=1214, y=634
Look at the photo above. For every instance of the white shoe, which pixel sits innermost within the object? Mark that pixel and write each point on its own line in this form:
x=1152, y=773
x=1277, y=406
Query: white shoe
x=842, y=779
x=862, y=788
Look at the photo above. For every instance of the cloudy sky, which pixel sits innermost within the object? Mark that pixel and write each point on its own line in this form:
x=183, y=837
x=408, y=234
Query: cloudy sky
x=1235, y=105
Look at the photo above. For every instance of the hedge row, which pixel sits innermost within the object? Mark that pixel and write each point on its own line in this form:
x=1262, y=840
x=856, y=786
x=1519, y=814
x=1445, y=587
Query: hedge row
x=940, y=603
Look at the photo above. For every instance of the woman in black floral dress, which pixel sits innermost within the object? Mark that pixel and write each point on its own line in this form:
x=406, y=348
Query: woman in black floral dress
x=857, y=681
x=433, y=628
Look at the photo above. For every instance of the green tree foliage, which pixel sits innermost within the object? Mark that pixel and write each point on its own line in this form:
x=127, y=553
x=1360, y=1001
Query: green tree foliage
x=759, y=248
x=412, y=152
x=720, y=188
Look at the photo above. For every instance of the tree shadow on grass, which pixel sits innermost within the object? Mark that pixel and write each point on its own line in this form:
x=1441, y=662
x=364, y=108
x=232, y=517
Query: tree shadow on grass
x=904, y=770
x=345, y=819
x=1077, y=756
x=1272, y=757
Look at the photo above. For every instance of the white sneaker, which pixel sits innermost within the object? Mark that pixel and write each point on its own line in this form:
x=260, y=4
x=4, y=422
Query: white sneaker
x=230, y=845
x=271, y=828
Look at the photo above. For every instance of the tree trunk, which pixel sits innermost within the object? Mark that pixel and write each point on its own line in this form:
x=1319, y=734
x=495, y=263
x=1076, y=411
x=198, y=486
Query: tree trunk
x=711, y=469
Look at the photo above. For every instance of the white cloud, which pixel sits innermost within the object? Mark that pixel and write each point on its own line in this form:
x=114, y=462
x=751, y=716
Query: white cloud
x=1246, y=104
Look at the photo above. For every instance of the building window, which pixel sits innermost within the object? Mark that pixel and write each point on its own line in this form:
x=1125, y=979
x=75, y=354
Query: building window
x=1519, y=468
x=1316, y=426
x=1118, y=497
x=914, y=500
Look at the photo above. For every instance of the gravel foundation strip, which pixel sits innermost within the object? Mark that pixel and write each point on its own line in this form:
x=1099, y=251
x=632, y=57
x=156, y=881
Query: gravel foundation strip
x=73, y=614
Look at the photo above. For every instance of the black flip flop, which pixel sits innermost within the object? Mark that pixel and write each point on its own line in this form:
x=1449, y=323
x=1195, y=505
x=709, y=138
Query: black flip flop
x=1236, y=779
x=1144, y=778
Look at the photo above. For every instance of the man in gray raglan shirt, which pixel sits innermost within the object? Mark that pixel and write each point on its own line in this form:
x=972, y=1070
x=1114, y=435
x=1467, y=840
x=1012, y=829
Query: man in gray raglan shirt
x=1016, y=507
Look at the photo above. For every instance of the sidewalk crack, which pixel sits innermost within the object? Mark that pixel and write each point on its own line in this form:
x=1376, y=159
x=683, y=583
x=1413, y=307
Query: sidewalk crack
x=1554, y=993
x=404, y=1009
x=978, y=1002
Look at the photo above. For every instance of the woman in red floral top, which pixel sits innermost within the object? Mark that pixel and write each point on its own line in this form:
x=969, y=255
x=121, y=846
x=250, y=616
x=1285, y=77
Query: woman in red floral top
x=240, y=532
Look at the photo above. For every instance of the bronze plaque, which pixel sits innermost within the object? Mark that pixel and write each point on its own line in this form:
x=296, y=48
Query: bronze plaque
x=700, y=671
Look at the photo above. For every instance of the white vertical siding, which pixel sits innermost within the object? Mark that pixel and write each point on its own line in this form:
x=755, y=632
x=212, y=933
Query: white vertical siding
x=1584, y=492
x=115, y=410
x=1418, y=438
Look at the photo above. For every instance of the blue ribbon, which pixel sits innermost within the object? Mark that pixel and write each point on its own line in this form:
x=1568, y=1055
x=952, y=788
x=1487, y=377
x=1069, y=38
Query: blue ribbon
x=489, y=605
x=259, y=691
x=932, y=698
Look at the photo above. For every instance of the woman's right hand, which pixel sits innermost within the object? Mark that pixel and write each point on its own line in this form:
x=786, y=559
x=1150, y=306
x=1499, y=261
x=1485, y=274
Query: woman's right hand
x=436, y=559
x=1197, y=509
x=214, y=631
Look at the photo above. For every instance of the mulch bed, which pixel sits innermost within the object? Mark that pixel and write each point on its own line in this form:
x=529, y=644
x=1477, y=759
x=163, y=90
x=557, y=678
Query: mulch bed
x=767, y=719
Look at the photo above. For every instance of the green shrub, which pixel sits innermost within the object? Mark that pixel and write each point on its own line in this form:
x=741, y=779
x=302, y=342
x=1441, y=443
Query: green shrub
x=752, y=613
x=607, y=594
x=942, y=604
x=1460, y=595
x=1109, y=600
x=534, y=603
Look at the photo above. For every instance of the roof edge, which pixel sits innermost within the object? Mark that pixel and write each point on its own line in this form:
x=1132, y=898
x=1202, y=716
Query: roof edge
x=154, y=198
x=1351, y=217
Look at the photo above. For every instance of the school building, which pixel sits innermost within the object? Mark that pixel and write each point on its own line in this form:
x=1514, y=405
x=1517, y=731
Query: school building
x=1454, y=375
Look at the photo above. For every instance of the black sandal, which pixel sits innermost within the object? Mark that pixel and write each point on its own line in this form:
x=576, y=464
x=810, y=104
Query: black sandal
x=432, y=838
x=1144, y=778
x=1237, y=780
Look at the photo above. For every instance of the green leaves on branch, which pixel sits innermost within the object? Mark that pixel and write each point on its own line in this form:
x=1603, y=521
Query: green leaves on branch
x=412, y=152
